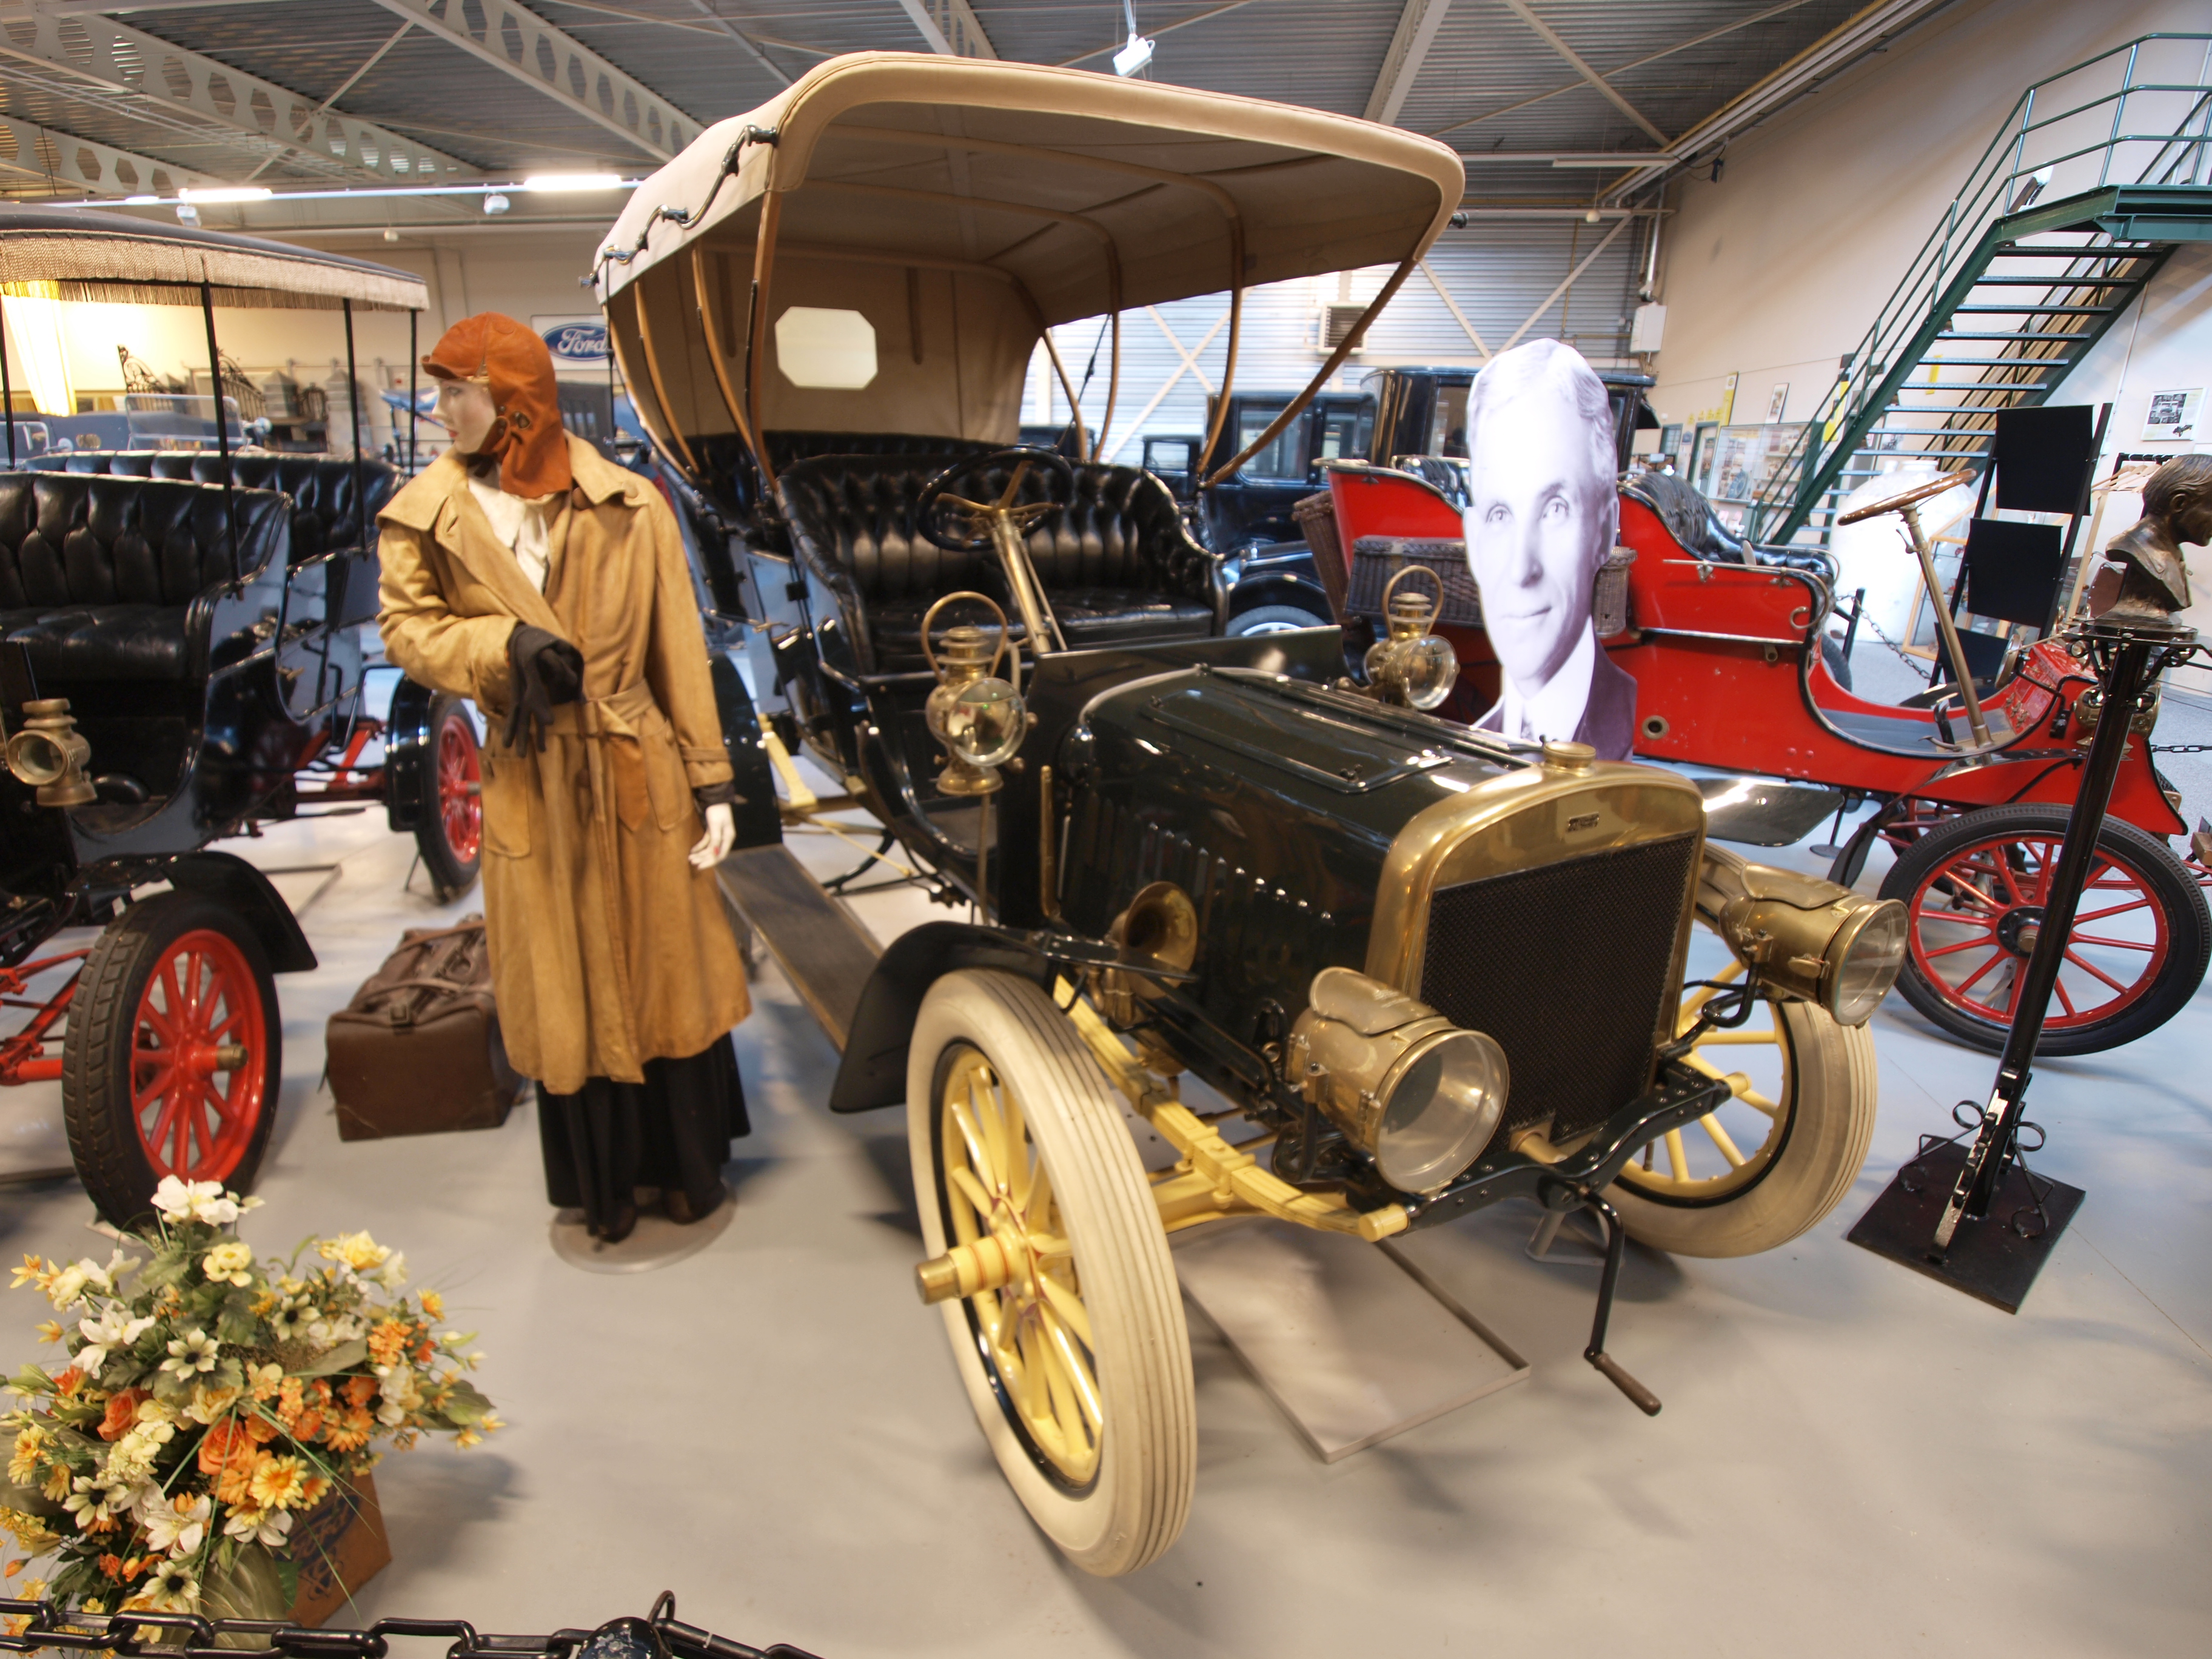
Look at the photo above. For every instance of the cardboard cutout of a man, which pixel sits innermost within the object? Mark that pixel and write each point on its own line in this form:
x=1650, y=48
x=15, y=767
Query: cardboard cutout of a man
x=1543, y=515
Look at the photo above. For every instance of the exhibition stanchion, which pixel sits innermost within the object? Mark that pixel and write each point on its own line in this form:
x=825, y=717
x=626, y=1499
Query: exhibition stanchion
x=1976, y=1217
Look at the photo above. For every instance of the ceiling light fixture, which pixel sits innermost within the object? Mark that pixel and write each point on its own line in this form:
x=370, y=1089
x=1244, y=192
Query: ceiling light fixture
x=556, y=182
x=1132, y=59
x=495, y=203
x=227, y=193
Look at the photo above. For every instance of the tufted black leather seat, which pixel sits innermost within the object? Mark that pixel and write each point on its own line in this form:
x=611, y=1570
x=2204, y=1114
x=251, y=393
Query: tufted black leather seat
x=735, y=481
x=325, y=518
x=97, y=574
x=1115, y=562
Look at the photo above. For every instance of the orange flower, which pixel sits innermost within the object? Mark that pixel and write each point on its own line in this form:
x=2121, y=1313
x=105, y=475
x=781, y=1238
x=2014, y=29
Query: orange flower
x=306, y=1426
x=311, y=1491
x=433, y=1304
x=224, y=1444
x=234, y=1486
x=259, y=1429
x=360, y=1390
x=68, y=1382
x=122, y=1412
x=322, y=1393
x=351, y=1431
x=111, y=1565
x=388, y=1340
x=426, y=1353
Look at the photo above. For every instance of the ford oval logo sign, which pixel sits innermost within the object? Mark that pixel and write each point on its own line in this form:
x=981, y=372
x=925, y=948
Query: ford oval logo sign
x=577, y=343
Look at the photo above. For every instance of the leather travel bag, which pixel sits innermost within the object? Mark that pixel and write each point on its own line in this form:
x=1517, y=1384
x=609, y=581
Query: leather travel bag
x=417, y=1051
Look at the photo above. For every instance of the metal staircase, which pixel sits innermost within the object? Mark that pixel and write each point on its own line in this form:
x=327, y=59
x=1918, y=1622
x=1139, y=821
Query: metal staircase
x=2097, y=176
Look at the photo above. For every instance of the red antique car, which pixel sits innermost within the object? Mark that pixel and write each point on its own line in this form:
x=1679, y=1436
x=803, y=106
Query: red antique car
x=1729, y=675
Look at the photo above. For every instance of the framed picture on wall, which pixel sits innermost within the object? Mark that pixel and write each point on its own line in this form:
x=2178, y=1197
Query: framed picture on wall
x=2171, y=416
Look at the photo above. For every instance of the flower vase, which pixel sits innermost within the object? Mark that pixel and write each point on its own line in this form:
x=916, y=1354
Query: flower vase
x=337, y=1547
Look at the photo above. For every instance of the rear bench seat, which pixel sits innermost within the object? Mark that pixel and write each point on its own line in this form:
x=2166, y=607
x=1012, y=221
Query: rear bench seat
x=325, y=519
x=1115, y=562
x=98, y=573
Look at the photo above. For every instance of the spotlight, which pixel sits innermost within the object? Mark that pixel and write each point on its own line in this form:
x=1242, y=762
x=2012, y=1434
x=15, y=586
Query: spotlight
x=227, y=193
x=187, y=214
x=391, y=236
x=1133, y=58
x=496, y=204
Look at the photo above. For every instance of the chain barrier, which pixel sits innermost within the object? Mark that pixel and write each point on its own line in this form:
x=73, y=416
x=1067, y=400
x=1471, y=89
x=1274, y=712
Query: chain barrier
x=31, y=1626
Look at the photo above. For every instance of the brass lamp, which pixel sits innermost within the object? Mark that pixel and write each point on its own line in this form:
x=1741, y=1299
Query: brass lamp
x=979, y=717
x=1412, y=667
x=51, y=754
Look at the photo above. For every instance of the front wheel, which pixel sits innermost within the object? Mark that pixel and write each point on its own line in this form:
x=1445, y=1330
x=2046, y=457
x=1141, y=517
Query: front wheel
x=1273, y=619
x=1778, y=1154
x=1975, y=888
x=451, y=789
x=174, y=1055
x=1074, y=1351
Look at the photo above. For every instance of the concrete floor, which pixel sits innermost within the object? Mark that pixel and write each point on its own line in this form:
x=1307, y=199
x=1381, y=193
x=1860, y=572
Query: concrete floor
x=1853, y=1459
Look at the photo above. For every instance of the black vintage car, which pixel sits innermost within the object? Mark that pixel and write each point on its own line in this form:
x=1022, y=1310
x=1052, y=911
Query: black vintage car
x=180, y=661
x=1421, y=968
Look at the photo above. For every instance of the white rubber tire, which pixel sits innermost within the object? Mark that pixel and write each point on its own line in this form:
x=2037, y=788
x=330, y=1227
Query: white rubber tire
x=1136, y=1505
x=1830, y=1107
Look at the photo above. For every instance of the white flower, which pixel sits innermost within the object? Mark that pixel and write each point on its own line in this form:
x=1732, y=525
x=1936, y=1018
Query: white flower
x=395, y=1271
x=195, y=1351
x=253, y=1526
x=66, y=1289
x=196, y=1200
x=177, y=1525
x=170, y=1588
x=399, y=1394
x=113, y=1329
x=228, y=1263
x=95, y=1498
x=293, y=1319
x=209, y=1403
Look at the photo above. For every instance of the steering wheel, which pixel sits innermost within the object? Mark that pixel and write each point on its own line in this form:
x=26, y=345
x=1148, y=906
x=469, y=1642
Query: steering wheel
x=1912, y=497
x=977, y=519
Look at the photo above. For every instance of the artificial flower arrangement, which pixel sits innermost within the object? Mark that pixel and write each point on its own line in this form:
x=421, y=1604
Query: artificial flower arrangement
x=210, y=1401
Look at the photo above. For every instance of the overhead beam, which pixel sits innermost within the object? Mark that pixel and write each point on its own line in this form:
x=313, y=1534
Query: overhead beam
x=724, y=25
x=1409, y=48
x=1521, y=10
x=126, y=70
x=951, y=27
x=71, y=163
x=520, y=43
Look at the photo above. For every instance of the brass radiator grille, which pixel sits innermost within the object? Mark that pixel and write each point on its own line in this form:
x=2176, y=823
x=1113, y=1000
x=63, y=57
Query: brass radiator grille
x=1568, y=966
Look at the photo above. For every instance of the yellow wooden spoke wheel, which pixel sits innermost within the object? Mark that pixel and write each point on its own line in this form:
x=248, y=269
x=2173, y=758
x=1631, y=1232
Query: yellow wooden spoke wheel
x=1781, y=1152
x=1062, y=1302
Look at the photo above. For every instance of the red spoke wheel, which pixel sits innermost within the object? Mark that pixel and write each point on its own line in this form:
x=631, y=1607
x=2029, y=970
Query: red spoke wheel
x=451, y=834
x=173, y=1057
x=1976, y=888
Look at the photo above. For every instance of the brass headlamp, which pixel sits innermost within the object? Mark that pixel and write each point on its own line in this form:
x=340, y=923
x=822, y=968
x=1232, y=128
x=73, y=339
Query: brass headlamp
x=979, y=717
x=1420, y=1095
x=1805, y=936
x=1412, y=667
x=51, y=754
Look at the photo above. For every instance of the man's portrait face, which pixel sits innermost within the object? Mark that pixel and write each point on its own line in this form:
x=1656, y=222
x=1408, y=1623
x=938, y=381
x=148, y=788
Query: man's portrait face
x=1537, y=529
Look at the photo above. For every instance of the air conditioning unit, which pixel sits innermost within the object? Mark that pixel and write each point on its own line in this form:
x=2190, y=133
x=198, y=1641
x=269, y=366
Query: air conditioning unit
x=1337, y=320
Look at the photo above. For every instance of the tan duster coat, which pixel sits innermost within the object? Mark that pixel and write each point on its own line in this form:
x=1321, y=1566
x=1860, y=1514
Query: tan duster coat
x=607, y=948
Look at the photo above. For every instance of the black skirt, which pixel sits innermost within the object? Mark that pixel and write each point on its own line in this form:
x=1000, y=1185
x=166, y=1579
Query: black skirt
x=672, y=1130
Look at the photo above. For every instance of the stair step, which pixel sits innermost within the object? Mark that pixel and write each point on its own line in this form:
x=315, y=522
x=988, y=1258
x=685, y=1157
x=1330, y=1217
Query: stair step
x=2040, y=311
x=2056, y=281
x=1994, y=362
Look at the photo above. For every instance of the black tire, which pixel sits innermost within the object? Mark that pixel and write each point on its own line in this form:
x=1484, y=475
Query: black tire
x=451, y=834
x=2133, y=860
x=1274, y=619
x=113, y=1115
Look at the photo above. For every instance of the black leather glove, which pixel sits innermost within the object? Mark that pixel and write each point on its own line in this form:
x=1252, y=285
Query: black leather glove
x=546, y=671
x=724, y=793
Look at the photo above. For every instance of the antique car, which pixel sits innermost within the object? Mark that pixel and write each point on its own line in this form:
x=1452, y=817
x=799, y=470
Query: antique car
x=180, y=661
x=1404, y=970
x=1735, y=670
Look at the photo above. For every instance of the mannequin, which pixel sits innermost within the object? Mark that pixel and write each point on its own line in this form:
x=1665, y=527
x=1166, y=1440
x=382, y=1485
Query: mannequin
x=2146, y=579
x=526, y=572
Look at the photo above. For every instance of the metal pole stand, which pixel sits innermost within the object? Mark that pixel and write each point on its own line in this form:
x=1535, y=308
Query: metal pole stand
x=1936, y=1216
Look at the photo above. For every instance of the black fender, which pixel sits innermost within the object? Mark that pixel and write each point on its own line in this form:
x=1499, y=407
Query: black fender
x=760, y=820
x=873, y=1071
x=230, y=881
x=406, y=738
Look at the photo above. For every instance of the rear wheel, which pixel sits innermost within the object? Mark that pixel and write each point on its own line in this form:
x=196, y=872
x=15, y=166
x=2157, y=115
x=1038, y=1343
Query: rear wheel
x=1975, y=888
x=451, y=833
x=1779, y=1154
x=1076, y=1361
x=174, y=1055
x=1274, y=619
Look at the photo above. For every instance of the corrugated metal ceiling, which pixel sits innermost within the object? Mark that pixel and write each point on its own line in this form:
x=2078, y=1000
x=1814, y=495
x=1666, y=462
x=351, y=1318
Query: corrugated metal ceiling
x=1476, y=87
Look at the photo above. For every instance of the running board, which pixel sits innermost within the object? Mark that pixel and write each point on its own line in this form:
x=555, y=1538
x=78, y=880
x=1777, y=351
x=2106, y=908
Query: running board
x=825, y=954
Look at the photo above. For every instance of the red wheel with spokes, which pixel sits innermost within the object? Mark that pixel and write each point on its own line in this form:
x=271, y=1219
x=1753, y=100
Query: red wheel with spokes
x=1976, y=888
x=451, y=833
x=173, y=1063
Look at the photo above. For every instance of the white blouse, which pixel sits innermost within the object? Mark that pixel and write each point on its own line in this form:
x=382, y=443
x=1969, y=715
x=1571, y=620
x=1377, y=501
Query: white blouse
x=524, y=526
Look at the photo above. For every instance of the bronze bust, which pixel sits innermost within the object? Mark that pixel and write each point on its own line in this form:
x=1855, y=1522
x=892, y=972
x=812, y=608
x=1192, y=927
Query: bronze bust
x=2177, y=508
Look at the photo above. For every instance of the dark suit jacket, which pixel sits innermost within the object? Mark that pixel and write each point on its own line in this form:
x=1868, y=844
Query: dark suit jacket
x=1608, y=721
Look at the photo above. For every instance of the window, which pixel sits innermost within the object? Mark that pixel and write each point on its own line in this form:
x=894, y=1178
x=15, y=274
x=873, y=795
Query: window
x=1447, y=427
x=1343, y=432
x=834, y=350
x=1280, y=459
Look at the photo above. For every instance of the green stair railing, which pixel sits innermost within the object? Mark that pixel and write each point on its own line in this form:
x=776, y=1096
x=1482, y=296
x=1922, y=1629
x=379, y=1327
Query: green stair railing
x=2060, y=224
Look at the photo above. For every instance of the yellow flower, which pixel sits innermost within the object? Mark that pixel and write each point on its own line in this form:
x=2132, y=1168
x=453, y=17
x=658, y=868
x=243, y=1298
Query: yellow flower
x=23, y=1461
x=279, y=1483
x=209, y=1403
x=228, y=1263
x=31, y=1533
x=264, y=1380
x=33, y=1271
x=355, y=1250
x=52, y=1331
x=433, y=1305
x=58, y=1482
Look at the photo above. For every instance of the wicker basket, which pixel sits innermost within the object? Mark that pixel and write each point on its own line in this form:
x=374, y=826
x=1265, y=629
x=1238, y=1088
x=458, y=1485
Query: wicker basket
x=1377, y=559
x=1609, y=594
x=1316, y=517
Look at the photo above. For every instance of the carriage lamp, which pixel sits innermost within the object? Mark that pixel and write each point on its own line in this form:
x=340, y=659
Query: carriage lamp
x=1807, y=938
x=1411, y=666
x=1418, y=1095
x=979, y=717
x=49, y=753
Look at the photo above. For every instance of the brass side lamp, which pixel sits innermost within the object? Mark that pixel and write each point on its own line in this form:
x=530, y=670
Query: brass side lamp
x=1411, y=666
x=979, y=717
x=51, y=754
